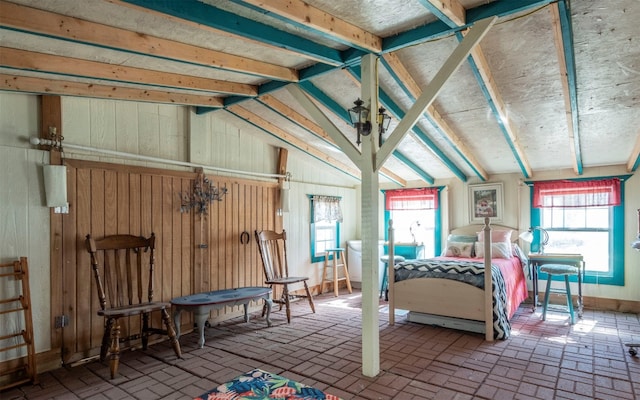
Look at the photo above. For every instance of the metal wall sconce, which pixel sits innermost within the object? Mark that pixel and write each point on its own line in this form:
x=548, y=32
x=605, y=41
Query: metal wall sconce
x=528, y=237
x=359, y=116
x=384, y=120
x=203, y=193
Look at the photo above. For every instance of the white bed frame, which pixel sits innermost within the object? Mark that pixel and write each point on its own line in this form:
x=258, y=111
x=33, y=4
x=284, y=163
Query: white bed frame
x=446, y=302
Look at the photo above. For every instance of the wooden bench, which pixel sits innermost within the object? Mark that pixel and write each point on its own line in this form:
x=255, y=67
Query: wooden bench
x=200, y=304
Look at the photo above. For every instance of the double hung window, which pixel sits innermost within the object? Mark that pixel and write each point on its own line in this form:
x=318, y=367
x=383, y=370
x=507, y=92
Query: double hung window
x=585, y=217
x=416, y=217
x=326, y=216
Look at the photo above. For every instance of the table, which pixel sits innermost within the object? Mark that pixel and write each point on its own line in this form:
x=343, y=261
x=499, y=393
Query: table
x=200, y=304
x=537, y=259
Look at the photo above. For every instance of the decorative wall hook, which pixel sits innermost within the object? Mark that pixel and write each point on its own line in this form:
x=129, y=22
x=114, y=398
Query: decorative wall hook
x=203, y=193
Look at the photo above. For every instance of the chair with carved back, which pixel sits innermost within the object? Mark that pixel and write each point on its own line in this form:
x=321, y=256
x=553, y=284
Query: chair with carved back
x=273, y=252
x=125, y=289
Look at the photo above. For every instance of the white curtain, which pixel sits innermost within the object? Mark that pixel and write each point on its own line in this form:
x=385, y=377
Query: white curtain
x=326, y=208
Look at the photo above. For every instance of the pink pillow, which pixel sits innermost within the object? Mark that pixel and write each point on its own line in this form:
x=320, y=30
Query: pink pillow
x=497, y=236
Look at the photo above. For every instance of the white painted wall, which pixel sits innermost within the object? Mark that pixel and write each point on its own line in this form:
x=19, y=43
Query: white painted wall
x=165, y=131
x=222, y=140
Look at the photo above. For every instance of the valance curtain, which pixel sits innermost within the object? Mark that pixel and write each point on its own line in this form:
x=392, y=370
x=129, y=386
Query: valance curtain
x=411, y=199
x=565, y=193
x=326, y=208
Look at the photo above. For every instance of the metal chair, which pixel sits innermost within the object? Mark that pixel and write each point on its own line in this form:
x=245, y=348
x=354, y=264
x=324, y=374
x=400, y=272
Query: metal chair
x=273, y=252
x=125, y=289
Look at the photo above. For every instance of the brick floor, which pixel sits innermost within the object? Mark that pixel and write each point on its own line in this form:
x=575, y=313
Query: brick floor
x=541, y=360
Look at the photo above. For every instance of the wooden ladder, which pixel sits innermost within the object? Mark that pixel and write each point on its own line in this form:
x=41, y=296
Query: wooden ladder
x=20, y=370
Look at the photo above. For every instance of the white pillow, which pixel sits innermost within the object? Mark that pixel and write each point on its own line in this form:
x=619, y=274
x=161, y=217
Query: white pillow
x=497, y=236
x=458, y=249
x=498, y=250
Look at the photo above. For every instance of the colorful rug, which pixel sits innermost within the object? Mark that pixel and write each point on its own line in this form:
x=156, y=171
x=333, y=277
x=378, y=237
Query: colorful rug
x=259, y=384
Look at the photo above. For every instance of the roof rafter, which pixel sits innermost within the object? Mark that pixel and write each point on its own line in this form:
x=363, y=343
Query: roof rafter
x=634, y=158
x=68, y=88
x=563, y=36
x=33, y=61
x=451, y=15
x=420, y=135
x=292, y=115
x=313, y=18
x=332, y=105
x=411, y=88
x=42, y=22
x=221, y=21
x=281, y=134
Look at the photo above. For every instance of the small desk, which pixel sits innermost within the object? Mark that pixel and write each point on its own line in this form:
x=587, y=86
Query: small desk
x=202, y=303
x=536, y=259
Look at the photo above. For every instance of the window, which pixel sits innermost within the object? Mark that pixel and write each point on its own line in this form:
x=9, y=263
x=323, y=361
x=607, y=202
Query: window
x=326, y=216
x=586, y=217
x=416, y=217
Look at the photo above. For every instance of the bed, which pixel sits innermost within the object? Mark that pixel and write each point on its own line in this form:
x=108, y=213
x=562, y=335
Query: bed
x=449, y=290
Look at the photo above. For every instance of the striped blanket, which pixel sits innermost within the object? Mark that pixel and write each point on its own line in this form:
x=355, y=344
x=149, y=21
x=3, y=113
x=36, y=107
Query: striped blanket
x=470, y=272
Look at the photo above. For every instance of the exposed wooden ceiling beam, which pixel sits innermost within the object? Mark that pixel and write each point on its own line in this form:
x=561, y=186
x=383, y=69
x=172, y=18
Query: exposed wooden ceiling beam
x=450, y=12
x=449, y=67
x=68, y=88
x=563, y=37
x=28, y=60
x=207, y=17
x=283, y=135
x=499, y=108
x=399, y=70
x=634, y=158
x=314, y=18
x=307, y=124
x=32, y=20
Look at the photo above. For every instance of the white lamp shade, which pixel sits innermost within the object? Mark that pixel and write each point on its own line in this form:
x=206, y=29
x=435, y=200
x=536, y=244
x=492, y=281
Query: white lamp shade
x=55, y=185
x=527, y=236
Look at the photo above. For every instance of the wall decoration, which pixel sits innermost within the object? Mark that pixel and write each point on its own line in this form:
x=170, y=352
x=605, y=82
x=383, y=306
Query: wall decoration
x=486, y=200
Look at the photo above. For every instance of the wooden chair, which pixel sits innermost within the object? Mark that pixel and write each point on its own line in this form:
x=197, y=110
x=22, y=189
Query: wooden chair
x=273, y=251
x=125, y=289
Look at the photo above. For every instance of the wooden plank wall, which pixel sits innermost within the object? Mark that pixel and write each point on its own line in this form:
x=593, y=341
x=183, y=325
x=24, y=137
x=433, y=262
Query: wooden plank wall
x=193, y=253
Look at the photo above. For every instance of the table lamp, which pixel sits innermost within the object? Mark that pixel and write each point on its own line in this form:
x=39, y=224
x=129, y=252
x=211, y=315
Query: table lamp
x=528, y=237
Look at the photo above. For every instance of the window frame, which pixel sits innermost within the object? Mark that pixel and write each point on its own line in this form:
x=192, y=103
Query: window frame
x=437, y=229
x=615, y=275
x=312, y=235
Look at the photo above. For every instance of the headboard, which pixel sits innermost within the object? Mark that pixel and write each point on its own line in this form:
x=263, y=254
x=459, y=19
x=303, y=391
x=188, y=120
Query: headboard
x=475, y=228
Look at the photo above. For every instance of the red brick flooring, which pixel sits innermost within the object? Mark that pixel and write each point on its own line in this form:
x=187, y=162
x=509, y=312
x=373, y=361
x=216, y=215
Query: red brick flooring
x=541, y=360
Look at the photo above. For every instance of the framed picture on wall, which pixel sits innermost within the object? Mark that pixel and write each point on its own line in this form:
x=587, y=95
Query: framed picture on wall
x=485, y=200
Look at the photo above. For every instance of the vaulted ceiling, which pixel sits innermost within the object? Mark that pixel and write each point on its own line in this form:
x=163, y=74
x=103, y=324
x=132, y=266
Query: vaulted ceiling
x=551, y=85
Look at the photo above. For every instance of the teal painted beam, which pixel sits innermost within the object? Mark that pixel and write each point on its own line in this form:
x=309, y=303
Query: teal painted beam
x=433, y=123
x=337, y=109
x=313, y=133
x=569, y=58
x=496, y=114
x=202, y=13
x=298, y=25
x=438, y=29
x=439, y=14
x=282, y=140
x=394, y=109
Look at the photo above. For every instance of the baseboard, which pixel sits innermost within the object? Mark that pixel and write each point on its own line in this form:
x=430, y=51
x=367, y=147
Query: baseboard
x=595, y=303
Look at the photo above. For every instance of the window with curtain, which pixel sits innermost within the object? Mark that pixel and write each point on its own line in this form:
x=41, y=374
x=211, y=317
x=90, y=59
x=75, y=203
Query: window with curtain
x=586, y=217
x=415, y=216
x=326, y=216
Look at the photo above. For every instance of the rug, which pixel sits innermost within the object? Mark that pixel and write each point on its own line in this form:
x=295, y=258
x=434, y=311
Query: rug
x=259, y=384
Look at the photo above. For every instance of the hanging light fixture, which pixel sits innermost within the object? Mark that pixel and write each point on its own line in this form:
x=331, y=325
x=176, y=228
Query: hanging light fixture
x=384, y=120
x=636, y=243
x=359, y=116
